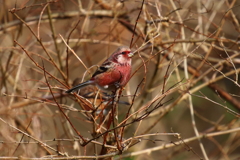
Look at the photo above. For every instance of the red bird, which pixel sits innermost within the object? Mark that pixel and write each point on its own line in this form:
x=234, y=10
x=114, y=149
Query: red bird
x=113, y=73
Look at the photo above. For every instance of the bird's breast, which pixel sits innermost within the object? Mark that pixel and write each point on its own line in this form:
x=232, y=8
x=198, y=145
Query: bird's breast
x=119, y=74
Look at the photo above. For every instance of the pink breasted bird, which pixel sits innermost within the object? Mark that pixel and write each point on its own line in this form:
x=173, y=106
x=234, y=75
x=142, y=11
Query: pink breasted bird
x=113, y=73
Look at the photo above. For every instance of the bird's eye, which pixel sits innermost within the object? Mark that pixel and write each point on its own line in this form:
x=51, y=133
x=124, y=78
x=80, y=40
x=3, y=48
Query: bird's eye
x=123, y=53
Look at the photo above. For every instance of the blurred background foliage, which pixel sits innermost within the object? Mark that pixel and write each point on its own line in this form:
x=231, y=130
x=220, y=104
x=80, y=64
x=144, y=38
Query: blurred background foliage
x=187, y=56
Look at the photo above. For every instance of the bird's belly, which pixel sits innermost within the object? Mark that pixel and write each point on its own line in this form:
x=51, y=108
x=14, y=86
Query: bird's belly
x=113, y=79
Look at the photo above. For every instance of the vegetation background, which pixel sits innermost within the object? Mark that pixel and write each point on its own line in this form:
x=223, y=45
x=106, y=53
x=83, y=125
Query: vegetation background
x=183, y=95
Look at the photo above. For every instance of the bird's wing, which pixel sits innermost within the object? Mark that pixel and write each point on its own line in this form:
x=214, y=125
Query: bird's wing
x=103, y=68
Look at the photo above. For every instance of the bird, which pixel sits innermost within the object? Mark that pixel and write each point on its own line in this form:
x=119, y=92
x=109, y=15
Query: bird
x=113, y=73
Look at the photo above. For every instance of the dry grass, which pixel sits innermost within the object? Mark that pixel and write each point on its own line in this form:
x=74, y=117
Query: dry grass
x=183, y=95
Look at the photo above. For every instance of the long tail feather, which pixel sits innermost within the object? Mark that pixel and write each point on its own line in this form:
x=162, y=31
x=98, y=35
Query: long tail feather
x=80, y=86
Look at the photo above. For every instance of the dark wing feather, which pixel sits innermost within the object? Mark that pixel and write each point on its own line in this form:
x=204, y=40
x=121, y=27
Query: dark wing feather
x=103, y=68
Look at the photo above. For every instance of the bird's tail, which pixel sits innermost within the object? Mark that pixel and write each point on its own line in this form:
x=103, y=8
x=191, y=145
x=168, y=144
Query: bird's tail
x=80, y=86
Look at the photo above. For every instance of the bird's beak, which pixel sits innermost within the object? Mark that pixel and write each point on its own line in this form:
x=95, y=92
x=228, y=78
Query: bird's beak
x=130, y=54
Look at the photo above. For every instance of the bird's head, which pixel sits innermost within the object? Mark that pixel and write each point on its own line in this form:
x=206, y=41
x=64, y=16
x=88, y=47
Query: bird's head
x=122, y=55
